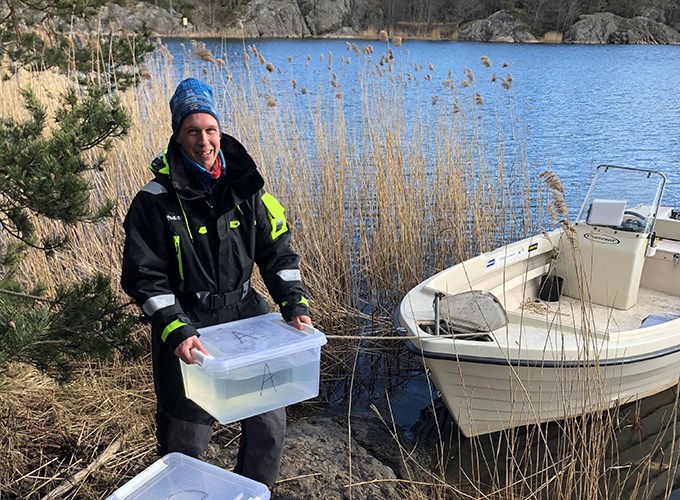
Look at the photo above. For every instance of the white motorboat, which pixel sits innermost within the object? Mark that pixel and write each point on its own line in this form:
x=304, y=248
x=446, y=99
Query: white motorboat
x=560, y=324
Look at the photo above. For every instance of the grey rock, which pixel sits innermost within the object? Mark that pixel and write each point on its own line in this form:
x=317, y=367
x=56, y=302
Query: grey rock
x=316, y=461
x=159, y=20
x=114, y=18
x=325, y=16
x=500, y=26
x=304, y=18
x=367, y=13
x=342, y=32
x=270, y=19
x=610, y=28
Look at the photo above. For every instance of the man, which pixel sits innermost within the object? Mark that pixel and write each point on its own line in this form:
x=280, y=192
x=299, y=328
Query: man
x=192, y=235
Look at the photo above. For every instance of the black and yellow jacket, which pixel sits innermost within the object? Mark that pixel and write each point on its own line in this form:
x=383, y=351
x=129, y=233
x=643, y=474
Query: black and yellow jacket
x=189, y=252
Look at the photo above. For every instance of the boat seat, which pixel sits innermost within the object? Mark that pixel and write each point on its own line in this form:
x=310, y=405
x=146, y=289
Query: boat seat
x=473, y=311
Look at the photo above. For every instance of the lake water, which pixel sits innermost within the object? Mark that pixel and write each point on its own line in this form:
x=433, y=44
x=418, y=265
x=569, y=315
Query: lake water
x=579, y=105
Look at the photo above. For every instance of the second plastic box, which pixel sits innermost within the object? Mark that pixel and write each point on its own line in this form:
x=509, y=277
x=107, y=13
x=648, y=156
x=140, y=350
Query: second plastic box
x=255, y=365
x=179, y=477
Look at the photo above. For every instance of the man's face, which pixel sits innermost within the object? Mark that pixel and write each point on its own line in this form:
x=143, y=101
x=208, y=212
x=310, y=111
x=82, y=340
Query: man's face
x=199, y=135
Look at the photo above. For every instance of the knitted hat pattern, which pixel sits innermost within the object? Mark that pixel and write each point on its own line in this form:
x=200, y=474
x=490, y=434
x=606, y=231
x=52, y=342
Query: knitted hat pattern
x=191, y=96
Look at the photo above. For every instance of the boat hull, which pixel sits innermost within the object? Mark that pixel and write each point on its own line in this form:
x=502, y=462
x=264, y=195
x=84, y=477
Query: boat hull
x=485, y=397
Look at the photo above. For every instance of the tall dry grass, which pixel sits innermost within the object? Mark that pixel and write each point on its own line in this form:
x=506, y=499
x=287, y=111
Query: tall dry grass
x=552, y=37
x=379, y=197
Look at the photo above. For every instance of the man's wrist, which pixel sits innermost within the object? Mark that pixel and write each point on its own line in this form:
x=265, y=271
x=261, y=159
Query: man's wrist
x=180, y=335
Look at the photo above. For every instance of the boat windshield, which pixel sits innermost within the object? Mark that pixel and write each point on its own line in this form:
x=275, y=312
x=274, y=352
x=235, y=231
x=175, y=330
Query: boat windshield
x=626, y=199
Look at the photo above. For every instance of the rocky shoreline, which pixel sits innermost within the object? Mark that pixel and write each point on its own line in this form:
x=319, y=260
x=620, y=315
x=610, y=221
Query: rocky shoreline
x=333, y=19
x=319, y=455
x=390, y=461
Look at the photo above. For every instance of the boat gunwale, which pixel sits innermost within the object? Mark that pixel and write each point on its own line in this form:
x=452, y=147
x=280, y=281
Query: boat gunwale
x=531, y=363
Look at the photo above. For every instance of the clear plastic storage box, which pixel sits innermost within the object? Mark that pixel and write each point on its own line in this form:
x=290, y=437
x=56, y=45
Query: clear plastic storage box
x=177, y=476
x=255, y=365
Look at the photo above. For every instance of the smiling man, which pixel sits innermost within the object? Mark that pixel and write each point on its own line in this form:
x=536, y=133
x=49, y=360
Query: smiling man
x=192, y=237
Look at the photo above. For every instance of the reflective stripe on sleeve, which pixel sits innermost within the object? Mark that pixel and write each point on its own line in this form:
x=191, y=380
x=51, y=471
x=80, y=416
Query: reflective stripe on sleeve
x=289, y=275
x=171, y=328
x=302, y=301
x=157, y=303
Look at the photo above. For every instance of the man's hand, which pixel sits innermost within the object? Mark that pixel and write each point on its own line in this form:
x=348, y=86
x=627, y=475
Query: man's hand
x=183, y=351
x=300, y=321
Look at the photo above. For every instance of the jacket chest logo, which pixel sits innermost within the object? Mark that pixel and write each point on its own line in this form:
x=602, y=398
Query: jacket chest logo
x=173, y=217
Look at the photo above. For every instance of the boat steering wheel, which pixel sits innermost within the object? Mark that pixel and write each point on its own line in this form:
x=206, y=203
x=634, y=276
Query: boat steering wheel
x=633, y=221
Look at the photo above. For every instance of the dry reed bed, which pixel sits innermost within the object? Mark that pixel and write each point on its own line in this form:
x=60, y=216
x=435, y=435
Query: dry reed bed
x=378, y=200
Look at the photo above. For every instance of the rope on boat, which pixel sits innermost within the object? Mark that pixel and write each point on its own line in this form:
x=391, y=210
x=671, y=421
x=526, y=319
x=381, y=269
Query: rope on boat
x=540, y=307
x=400, y=337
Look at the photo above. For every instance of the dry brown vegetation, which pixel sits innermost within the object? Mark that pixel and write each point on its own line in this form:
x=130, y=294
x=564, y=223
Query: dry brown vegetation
x=378, y=201
x=552, y=37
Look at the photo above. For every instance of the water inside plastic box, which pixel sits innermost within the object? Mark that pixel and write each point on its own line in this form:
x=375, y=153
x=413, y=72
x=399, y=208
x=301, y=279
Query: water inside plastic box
x=179, y=477
x=258, y=364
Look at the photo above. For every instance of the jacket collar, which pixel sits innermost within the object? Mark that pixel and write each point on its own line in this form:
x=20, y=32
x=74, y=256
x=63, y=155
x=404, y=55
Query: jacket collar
x=241, y=176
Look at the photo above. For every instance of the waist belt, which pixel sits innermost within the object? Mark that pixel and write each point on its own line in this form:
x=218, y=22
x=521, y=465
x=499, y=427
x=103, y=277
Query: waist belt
x=218, y=300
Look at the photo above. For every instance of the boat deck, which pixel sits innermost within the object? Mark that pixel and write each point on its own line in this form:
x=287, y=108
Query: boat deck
x=573, y=312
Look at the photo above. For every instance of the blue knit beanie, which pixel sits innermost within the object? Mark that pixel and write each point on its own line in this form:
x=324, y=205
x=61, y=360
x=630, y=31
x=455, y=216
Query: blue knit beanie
x=191, y=96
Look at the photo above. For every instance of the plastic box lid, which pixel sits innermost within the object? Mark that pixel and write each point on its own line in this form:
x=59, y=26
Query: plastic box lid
x=244, y=342
x=180, y=477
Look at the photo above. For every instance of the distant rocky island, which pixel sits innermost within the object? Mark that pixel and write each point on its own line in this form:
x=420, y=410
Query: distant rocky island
x=362, y=18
